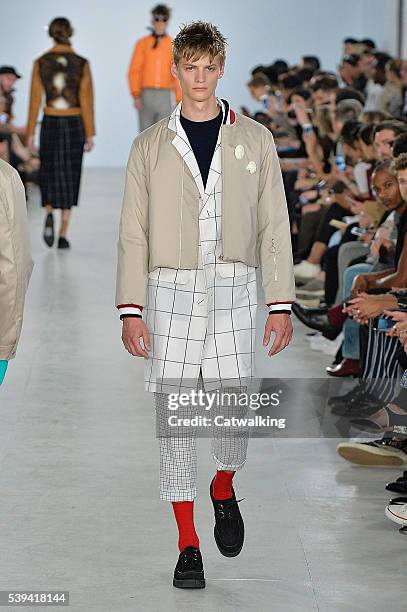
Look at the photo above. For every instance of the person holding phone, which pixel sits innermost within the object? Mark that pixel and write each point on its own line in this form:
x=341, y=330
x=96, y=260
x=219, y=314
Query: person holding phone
x=15, y=262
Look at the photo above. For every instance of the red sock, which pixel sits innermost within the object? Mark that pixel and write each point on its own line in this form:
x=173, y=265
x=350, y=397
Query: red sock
x=222, y=485
x=184, y=515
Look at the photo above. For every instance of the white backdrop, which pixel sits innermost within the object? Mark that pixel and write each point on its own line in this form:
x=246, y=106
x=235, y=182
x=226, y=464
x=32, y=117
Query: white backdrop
x=257, y=32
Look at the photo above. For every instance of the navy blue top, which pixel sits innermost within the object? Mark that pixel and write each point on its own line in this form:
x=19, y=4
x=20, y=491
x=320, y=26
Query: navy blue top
x=202, y=136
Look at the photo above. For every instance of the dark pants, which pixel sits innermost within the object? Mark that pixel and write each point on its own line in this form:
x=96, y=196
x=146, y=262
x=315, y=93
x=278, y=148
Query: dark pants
x=315, y=227
x=331, y=266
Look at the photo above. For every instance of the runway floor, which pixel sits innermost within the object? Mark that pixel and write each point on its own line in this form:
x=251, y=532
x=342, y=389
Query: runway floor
x=79, y=506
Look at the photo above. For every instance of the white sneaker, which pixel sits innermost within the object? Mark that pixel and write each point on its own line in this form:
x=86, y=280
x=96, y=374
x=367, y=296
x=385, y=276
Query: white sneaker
x=313, y=288
x=397, y=513
x=305, y=270
x=386, y=452
x=333, y=346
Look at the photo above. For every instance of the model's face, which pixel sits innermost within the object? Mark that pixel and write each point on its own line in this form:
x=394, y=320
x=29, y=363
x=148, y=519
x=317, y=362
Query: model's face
x=387, y=189
x=383, y=142
x=402, y=181
x=7, y=81
x=159, y=24
x=198, y=78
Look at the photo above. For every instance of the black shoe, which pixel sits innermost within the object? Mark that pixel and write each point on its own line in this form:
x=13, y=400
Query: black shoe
x=398, y=501
x=399, y=486
x=354, y=393
x=316, y=318
x=189, y=572
x=229, y=526
x=48, y=234
x=363, y=404
x=63, y=243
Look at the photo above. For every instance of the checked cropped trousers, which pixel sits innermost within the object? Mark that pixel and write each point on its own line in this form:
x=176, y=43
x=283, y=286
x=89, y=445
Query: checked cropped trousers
x=178, y=460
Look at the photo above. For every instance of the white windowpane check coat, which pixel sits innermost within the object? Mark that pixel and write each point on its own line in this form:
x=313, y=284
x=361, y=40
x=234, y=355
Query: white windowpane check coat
x=205, y=317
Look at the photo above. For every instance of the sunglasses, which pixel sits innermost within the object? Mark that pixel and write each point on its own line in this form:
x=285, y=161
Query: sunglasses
x=164, y=19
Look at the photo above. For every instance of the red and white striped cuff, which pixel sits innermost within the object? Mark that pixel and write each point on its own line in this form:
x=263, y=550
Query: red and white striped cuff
x=280, y=306
x=130, y=309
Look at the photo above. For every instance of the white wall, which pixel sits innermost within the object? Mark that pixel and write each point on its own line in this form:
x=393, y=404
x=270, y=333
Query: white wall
x=258, y=32
x=404, y=34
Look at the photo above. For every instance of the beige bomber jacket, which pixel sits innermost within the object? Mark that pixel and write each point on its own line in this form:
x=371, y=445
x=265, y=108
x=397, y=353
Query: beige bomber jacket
x=15, y=259
x=159, y=217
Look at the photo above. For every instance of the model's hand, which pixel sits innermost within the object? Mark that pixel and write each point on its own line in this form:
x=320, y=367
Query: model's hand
x=89, y=144
x=133, y=329
x=281, y=325
x=137, y=102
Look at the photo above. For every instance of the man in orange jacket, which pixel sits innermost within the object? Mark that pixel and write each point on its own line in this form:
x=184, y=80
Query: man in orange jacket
x=150, y=79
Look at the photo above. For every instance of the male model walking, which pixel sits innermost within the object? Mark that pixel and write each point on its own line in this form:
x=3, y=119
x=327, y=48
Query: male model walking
x=204, y=205
x=150, y=80
x=16, y=264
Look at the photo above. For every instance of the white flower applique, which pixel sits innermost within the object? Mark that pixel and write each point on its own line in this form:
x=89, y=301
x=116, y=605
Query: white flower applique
x=239, y=152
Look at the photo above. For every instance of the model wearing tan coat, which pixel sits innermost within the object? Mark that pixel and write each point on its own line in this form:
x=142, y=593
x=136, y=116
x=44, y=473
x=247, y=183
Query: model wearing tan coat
x=159, y=219
x=15, y=259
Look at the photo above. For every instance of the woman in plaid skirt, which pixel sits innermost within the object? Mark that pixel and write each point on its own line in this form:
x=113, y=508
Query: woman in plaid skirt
x=67, y=128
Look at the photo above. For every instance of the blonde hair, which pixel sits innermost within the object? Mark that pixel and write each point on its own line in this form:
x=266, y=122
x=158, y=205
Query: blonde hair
x=400, y=162
x=324, y=120
x=197, y=39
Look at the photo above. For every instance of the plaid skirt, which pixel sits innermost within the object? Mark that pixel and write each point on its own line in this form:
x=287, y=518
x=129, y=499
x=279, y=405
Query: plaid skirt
x=61, y=151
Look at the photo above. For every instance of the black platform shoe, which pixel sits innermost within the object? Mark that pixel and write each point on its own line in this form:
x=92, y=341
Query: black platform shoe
x=189, y=572
x=229, y=526
x=63, y=243
x=48, y=233
x=399, y=486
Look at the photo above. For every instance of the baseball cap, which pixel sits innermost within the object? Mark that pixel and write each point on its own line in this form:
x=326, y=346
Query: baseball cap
x=9, y=70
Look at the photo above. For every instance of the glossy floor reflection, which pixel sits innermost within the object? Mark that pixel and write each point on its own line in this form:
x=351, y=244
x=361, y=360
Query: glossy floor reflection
x=79, y=507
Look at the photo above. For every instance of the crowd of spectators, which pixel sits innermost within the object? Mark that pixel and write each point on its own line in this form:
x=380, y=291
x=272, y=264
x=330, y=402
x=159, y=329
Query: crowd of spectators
x=13, y=139
x=342, y=141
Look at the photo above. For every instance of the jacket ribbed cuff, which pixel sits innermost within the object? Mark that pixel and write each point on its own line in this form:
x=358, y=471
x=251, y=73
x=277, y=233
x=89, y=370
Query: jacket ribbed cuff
x=280, y=307
x=129, y=309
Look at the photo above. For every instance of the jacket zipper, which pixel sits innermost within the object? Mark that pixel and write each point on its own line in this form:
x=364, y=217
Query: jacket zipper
x=222, y=233
x=180, y=223
x=274, y=251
